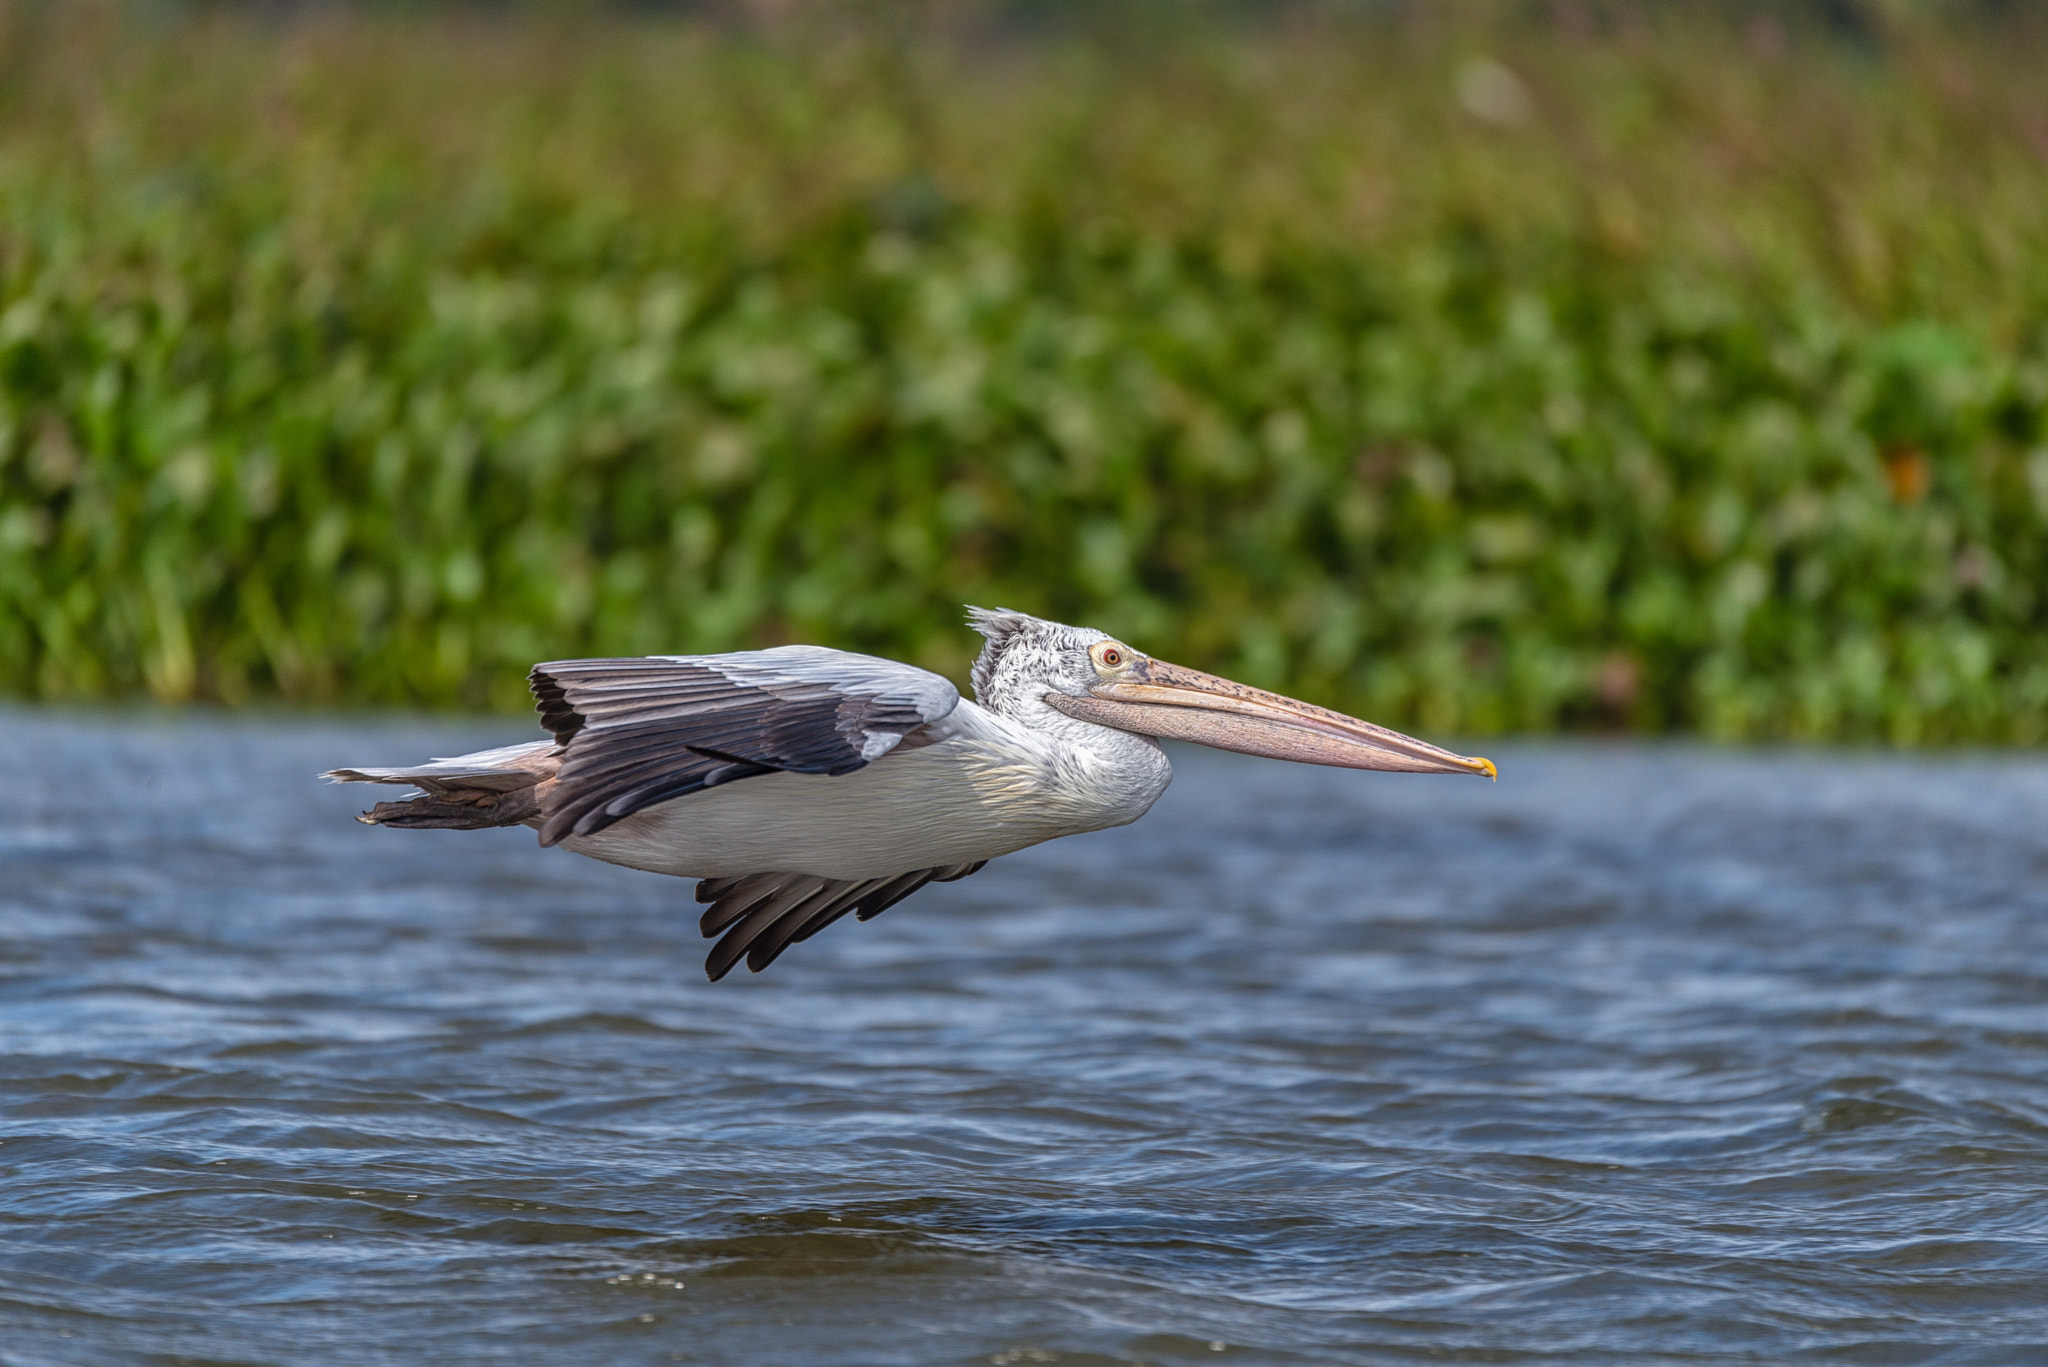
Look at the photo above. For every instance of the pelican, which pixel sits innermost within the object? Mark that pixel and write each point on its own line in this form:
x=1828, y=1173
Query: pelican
x=802, y=783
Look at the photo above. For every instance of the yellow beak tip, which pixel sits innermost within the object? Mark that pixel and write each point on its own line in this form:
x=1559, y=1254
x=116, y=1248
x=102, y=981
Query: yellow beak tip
x=1487, y=767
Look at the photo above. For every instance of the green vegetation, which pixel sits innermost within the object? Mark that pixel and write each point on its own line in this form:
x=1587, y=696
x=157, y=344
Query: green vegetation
x=1472, y=375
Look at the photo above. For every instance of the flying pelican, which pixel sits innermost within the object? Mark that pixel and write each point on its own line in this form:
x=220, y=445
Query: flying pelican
x=802, y=783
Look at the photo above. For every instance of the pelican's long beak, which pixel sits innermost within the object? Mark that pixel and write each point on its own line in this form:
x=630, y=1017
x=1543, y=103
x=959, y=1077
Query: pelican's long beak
x=1186, y=704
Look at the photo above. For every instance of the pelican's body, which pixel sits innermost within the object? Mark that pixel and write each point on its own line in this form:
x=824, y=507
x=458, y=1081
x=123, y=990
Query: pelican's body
x=978, y=786
x=803, y=784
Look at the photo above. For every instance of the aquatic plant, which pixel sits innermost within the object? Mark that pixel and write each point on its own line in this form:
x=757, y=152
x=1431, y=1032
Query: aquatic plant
x=1470, y=373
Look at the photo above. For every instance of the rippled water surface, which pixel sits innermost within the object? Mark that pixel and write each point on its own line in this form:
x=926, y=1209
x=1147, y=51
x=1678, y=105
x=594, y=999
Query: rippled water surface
x=1642, y=1055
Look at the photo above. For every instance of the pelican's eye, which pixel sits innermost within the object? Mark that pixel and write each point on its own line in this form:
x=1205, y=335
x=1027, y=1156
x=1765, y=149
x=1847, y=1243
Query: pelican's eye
x=1110, y=656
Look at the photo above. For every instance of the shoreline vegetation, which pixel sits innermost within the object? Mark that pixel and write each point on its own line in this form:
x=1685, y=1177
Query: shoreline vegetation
x=1472, y=369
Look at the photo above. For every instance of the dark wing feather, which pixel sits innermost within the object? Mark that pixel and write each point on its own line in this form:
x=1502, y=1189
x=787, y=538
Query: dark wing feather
x=765, y=913
x=638, y=732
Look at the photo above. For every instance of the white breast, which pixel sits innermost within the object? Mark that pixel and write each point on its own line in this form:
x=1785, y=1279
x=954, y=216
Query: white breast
x=982, y=787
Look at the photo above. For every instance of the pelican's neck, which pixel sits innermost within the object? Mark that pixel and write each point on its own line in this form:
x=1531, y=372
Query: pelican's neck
x=1104, y=776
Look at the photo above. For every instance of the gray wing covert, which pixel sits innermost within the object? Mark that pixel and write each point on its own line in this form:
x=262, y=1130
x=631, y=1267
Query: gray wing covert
x=636, y=732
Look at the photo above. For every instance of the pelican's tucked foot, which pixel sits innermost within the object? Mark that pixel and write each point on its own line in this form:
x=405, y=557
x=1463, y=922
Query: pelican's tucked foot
x=454, y=810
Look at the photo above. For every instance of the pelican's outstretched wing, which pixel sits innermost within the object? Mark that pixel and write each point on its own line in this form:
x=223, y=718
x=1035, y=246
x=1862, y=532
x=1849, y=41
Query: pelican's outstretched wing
x=640, y=731
x=763, y=914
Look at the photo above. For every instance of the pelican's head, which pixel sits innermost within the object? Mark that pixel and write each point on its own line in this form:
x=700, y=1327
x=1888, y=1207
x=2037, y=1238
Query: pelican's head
x=1096, y=678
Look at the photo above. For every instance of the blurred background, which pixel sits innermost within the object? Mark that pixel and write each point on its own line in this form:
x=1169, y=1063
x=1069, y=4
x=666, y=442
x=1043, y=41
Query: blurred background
x=1474, y=367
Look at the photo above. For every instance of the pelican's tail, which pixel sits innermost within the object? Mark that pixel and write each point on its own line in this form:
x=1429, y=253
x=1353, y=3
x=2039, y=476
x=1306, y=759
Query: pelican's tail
x=500, y=787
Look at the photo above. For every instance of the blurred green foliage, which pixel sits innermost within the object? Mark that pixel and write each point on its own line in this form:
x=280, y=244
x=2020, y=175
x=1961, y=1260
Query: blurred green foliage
x=1471, y=371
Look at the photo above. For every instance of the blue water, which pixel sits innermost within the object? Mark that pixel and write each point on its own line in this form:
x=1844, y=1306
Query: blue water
x=1643, y=1055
